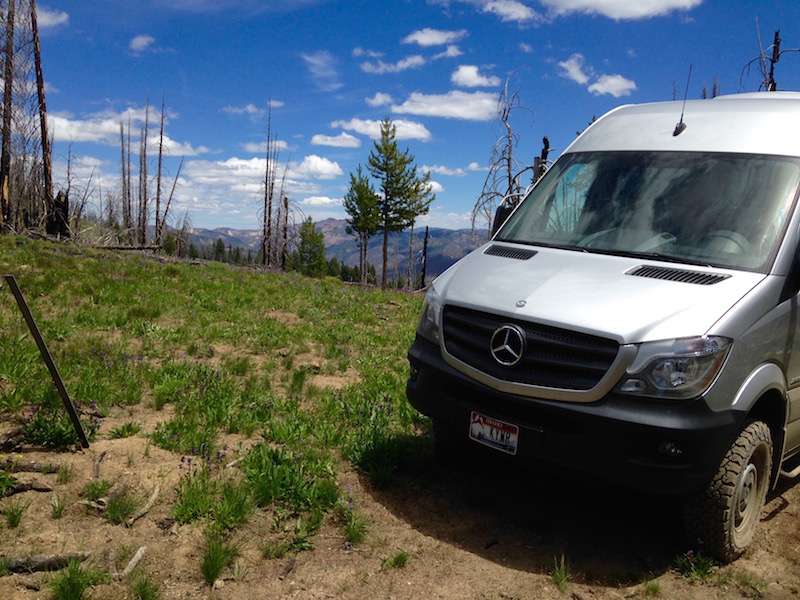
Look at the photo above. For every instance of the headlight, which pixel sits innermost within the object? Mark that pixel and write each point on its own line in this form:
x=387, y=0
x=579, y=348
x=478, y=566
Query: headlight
x=679, y=369
x=430, y=316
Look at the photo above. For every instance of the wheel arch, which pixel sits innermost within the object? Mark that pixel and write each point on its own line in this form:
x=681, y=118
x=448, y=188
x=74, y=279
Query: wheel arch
x=763, y=397
x=771, y=409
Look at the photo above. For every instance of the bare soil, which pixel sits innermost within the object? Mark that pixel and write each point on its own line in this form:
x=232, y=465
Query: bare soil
x=478, y=529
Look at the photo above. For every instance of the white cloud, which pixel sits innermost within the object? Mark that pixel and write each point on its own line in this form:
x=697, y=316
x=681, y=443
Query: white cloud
x=453, y=172
x=448, y=220
x=525, y=47
x=68, y=129
x=359, y=52
x=450, y=52
x=261, y=147
x=249, y=109
x=468, y=76
x=379, y=67
x=614, y=85
x=434, y=37
x=574, y=69
x=276, y=103
x=173, y=148
x=435, y=187
x=322, y=67
x=314, y=167
x=103, y=128
x=321, y=201
x=379, y=99
x=343, y=140
x=511, y=10
x=140, y=43
x=470, y=106
x=47, y=17
x=619, y=9
x=404, y=130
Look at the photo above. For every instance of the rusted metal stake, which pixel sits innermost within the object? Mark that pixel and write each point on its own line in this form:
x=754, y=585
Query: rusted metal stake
x=48, y=359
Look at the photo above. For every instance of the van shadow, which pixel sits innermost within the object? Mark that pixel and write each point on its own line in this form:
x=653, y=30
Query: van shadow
x=525, y=516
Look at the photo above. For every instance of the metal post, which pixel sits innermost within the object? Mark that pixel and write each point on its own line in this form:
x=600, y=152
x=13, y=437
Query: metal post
x=48, y=359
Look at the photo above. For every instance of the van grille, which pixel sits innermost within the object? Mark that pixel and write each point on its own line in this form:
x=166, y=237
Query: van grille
x=680, y=275
x=554, y=358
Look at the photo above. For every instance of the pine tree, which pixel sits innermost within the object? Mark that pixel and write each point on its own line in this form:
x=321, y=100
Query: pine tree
x=361, y=204
x=404, y=195
x=309, y=258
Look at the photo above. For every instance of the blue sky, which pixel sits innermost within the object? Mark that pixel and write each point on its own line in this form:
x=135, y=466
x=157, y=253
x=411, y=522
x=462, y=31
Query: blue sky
x=332, y=70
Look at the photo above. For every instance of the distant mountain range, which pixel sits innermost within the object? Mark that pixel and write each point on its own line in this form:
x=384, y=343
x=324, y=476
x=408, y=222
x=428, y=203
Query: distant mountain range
x=445, y=246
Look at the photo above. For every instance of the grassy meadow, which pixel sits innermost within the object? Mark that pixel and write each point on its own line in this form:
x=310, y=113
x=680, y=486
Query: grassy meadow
x=311, y=372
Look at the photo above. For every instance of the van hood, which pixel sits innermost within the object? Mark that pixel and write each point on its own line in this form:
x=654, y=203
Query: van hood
x=594, y=293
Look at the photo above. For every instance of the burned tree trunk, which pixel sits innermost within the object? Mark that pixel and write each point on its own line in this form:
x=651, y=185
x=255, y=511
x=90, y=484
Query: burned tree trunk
x=56, y=222
x=5, y=159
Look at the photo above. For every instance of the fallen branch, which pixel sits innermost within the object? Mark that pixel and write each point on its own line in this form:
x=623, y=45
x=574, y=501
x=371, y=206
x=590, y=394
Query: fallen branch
x=102, y=503
x=118, y=491
x=131, y=565
x=52, y=562
x=29, y=466
x=96, y=467
x=145, y=509
x=35, y=486
x=233, y=463
x=12, y=439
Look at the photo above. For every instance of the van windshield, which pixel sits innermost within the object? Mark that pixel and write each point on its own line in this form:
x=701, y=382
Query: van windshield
x=726, y=210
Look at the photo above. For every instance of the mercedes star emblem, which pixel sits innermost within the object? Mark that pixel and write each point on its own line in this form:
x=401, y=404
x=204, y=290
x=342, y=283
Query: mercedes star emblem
x=507, y=345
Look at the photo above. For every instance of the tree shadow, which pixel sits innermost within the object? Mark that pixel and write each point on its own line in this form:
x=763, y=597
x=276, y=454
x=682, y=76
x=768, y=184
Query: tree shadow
x=525, y=516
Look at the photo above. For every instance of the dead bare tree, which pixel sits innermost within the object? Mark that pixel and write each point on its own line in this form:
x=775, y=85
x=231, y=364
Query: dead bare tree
x=158, y=179
x=766, y=64
x=169, y=202
x=269, y=190
x=8, y=79
x=47, y=165
x=143, y=187
x=504, y=177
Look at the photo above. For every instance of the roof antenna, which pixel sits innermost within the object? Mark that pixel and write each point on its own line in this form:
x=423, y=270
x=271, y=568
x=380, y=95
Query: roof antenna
x=681, y=125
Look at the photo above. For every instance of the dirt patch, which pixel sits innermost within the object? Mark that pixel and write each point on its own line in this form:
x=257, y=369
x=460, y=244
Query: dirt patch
x=475, y=529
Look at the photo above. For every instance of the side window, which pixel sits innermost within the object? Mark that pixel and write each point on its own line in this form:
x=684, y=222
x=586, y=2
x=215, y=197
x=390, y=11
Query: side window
x=569, y=197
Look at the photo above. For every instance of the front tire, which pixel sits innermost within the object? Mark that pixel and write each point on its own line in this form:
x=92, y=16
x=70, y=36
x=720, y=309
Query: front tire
x=724, y=517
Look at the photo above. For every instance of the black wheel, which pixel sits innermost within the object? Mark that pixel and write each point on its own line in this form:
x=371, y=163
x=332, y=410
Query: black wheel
x=724, y=517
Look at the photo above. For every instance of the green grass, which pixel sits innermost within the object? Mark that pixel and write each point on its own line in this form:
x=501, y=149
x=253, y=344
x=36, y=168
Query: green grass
x=125, y=430
x=221, y=352
x=96, y=489
x=560, y=574
x=13, y=512
x=57, y=506
x=398, y=560
x=354, y=525
x=695, y=566
x=120, y=507
x=218, y=554
x=72, y=582
x=144, y=588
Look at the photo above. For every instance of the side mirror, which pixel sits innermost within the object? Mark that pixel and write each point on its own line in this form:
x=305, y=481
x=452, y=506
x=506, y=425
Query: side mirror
x=502, y=213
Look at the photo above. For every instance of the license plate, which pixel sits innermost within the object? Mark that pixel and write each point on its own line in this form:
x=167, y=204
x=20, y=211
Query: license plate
x=494, y=433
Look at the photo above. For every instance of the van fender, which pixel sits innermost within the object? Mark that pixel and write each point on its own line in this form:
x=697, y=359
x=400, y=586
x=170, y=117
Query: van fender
x=765, y=378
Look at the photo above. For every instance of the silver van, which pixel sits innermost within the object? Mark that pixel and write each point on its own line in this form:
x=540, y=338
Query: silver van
x=637, y=317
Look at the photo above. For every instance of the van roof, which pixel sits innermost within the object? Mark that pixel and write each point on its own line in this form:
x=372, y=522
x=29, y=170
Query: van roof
x=758, y=123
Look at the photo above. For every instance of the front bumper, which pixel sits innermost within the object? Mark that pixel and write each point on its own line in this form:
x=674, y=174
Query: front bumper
x=653, y=446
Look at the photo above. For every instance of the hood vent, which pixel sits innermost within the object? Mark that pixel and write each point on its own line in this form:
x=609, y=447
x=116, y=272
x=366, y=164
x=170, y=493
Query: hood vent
x=694, y=277
x=507, y=252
